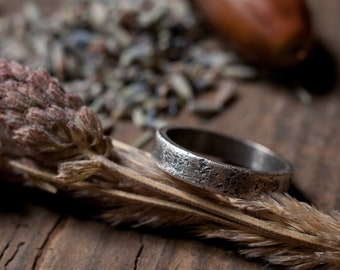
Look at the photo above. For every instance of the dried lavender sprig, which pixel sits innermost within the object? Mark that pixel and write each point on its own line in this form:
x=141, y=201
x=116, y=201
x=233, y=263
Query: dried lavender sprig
x=41, y=121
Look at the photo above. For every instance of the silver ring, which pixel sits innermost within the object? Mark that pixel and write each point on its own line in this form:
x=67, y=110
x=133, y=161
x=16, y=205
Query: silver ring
x=220, y=163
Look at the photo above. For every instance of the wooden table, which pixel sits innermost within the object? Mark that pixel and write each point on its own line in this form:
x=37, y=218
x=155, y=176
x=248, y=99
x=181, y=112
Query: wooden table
x=39, y=231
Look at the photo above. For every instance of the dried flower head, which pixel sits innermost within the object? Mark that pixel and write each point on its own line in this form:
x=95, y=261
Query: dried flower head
x=41, y=121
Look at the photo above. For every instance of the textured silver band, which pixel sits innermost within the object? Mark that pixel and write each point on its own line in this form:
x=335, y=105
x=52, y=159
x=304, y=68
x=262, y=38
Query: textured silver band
x=220, y=163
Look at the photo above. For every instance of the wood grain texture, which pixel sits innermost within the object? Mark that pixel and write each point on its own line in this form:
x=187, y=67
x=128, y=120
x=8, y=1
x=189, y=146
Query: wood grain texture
x=38, y=231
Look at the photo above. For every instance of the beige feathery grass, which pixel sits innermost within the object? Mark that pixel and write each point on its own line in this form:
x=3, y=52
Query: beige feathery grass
x=53, y=141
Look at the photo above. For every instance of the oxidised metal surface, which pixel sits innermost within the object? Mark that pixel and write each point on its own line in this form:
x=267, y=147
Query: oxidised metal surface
x=258, y=170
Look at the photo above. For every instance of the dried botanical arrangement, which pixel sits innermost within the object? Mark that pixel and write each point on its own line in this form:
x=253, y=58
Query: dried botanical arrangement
x=50, y=138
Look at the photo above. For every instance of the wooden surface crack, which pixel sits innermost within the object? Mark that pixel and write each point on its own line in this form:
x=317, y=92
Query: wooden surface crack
x=14, y=254
x=4, y=250
x=45, y=242
x=7, y=246
x=139, y=253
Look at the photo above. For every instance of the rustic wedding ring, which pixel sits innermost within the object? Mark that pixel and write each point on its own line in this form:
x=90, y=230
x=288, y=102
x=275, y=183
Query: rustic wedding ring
x=220, y=163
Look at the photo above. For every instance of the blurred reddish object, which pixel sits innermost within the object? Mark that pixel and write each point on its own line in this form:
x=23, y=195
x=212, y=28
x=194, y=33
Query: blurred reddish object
x=275, y=33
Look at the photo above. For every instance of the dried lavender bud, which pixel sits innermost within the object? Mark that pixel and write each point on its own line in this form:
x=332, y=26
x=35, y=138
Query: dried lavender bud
x=41, y=121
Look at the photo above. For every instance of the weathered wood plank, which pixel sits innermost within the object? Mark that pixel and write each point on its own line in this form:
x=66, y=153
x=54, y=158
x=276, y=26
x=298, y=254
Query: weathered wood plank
x=37, y=233
x=25, y=227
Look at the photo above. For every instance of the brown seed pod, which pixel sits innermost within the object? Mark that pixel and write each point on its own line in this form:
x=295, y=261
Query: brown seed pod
x=271, y=33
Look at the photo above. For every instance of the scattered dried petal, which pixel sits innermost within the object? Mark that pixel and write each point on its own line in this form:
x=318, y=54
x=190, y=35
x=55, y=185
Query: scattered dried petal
x=102, y=49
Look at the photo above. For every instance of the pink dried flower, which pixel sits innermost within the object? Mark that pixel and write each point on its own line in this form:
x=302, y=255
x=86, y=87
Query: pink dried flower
x=40, y=120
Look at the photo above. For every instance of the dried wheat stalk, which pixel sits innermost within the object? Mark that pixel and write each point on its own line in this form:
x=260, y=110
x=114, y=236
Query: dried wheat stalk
x=50, y=138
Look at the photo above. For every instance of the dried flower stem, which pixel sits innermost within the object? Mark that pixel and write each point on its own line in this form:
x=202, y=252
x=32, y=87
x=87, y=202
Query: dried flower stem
x=224, y=211
x=51, y=179
x=53, y=141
